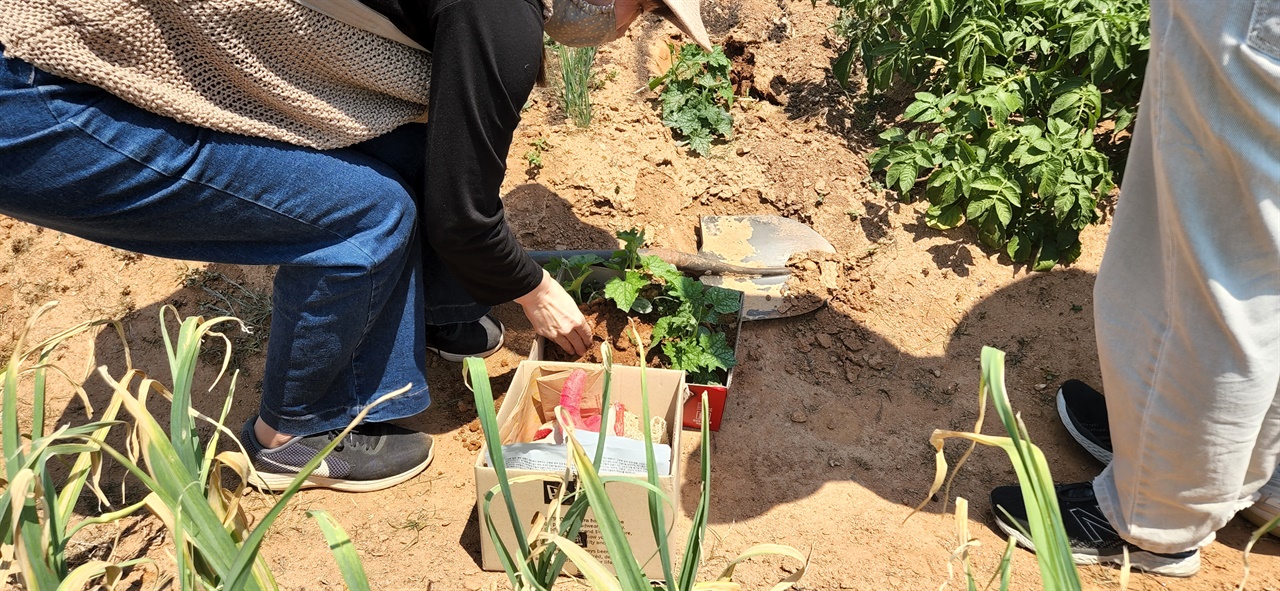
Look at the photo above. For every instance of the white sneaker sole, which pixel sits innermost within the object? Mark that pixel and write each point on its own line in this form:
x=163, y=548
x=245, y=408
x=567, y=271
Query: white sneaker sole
x=1267, y=507
x=1094, y=449
x=1138, y=559
x=279, y=482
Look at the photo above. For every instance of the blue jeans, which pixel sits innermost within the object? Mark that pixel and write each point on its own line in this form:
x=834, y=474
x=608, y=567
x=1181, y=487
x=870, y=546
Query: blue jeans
x=351, y=295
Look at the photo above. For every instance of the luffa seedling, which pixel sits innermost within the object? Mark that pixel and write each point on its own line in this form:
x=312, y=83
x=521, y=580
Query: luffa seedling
x=690, y=327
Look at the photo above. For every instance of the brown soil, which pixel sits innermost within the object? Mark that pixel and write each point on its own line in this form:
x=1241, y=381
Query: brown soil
x=608, y=325
x=611, y=325
x=824, y=444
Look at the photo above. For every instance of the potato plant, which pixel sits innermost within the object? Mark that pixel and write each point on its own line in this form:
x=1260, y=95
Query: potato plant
x=1017, y=101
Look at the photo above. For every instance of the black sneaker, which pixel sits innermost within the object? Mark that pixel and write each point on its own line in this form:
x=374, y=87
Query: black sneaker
x=373, y=456
x=1093, y=540
x=1084, y=412
x=455, y=342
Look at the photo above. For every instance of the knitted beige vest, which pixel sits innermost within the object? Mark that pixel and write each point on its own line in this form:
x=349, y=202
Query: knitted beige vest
x=267, y=68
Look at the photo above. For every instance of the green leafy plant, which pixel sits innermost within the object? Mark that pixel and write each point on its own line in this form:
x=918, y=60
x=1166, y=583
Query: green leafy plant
x=577, y=81
x=534, y=155
x=550, y=542
x=690, y=328
x=1018, y=101
x=214, y=547
x=697, y=95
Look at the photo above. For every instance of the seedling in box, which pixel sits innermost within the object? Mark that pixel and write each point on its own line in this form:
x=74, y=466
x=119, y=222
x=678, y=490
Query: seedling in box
x=694, y=327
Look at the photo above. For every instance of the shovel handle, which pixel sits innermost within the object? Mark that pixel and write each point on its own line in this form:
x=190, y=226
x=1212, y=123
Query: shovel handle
x=696, y=264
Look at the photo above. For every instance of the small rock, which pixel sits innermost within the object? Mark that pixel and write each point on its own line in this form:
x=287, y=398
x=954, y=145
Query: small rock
x=852, y=374
x=830, y=275
x=824, y=340
x=1041, y=386
x=799, y=417
x=473, y=584
x=937, y=373
x=876, y=362
x=657, y=160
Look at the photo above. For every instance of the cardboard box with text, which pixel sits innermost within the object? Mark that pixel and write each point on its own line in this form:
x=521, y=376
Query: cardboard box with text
x=667, y=394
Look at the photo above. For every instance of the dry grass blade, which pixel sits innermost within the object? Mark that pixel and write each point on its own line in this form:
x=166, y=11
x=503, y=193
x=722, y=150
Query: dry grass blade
x=1248, y=549
x=769, y=550
x=592, y=570
x=1053, y=552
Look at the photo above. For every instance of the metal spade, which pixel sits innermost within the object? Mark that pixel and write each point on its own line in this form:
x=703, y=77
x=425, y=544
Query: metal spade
x=746, y=253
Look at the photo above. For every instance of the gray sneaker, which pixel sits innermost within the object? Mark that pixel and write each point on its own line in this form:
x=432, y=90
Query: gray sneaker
x=373, y=456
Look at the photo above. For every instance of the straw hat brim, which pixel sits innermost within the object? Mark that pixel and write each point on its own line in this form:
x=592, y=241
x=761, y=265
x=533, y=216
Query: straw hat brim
x=686, y=15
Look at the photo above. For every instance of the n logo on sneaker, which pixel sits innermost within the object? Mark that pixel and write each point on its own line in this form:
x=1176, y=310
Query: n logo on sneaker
x=1093, y=525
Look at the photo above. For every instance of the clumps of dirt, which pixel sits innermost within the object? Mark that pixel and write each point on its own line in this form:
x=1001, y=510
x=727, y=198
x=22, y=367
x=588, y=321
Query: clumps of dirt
x=721, y=18
x=742, y=74
x=472, y=435
x=748, y=79
x=824, y=276
x=609, y=324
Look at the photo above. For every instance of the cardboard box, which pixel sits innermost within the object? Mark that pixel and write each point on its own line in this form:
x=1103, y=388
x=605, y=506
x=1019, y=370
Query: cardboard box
x=667, y=394
x=717, y=395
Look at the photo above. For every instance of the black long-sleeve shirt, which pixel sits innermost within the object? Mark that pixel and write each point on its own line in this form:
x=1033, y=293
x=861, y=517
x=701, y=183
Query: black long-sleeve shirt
x=486, y=55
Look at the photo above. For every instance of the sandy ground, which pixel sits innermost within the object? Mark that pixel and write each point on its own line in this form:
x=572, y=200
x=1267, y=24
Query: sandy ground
x=825, y=440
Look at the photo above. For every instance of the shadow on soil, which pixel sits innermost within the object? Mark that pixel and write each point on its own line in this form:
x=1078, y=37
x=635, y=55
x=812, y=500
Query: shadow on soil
x=818, y=399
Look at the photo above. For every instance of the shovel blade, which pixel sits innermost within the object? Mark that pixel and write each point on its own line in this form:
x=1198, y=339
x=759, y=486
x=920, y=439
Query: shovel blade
x=764, y=298
x=760, y=241
x=757, y=240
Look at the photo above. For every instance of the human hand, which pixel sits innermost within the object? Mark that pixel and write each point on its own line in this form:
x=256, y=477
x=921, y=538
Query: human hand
x=556, y=316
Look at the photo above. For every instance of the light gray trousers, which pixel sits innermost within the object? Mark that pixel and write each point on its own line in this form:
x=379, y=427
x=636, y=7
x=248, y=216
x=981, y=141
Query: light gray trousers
x=1188, y=297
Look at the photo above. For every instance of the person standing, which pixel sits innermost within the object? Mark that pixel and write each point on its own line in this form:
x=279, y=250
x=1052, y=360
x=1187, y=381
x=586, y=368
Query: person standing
x=1187, y=302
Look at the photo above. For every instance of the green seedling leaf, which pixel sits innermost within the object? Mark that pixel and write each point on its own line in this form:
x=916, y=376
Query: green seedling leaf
x=626, y=289
x=660, y=269
x=343, y=550
x=723, y=301
x=696, y=96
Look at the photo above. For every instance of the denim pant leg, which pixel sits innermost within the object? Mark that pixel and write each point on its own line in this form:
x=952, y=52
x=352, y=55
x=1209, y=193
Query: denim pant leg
x=445, y=300
x=1187, y=302
x=348, y=300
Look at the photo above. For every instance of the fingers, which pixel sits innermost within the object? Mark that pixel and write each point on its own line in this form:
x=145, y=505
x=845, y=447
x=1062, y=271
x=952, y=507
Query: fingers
x=575, y=338
x=583, y=332
x=556, y=316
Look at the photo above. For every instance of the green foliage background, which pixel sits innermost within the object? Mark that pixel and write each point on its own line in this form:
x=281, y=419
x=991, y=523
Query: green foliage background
x=1016, y=99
